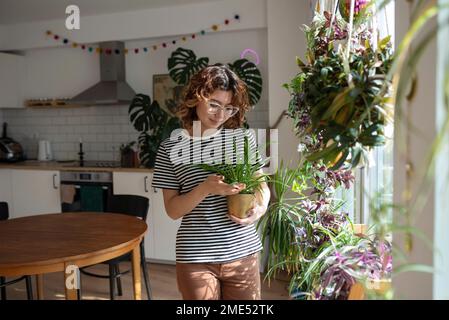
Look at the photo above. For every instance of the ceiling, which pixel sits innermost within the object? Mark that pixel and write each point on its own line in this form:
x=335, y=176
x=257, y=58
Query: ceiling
x=22, y=11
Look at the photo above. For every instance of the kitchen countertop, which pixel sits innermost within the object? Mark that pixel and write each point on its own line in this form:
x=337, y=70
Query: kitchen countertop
x=65, y=166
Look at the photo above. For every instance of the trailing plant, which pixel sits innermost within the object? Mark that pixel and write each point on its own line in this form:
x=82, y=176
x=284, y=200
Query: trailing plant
x=361, y=259
x=335, y=96
x=299, y=228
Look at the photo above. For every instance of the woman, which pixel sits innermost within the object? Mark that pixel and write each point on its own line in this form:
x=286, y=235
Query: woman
x=216, y=253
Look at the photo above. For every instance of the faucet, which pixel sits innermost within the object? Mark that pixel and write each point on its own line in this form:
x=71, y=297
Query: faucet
x=81, y=154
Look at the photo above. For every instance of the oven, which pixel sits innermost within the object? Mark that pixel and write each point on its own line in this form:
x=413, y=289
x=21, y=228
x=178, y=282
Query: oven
x=85, y=191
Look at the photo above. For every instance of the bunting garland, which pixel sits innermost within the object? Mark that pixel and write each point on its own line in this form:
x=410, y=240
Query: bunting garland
x=153, y=47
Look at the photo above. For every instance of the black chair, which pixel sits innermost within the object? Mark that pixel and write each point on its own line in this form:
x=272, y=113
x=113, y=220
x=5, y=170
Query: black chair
x=4, y=215
x=130, y=205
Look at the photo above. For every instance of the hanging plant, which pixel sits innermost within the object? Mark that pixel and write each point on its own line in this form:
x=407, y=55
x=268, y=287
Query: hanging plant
x=183, y=64
x=335, y=103
x=250, y=74
x=344, y=6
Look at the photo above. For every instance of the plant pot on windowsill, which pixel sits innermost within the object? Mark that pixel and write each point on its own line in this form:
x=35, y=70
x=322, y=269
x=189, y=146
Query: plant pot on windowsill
x=377, y=287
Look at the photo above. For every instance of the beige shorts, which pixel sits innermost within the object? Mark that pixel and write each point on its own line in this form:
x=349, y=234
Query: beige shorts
x=236, y=280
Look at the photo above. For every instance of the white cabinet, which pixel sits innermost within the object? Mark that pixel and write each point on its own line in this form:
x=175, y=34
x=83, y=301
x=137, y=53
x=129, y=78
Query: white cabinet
x=12, y=69
x=6, y=187
x=160, y=240
x=34, y=192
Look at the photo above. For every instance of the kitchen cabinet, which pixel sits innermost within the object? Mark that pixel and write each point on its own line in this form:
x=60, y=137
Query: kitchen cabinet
x=34, y=192
x=6, y=187
x=160, y=240
x=12, y=70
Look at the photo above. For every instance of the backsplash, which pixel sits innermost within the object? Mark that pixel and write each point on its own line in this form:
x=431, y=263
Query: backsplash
x=102, y=129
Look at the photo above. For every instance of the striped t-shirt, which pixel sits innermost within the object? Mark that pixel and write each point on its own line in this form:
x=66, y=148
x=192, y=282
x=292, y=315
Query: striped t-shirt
x=206, y=234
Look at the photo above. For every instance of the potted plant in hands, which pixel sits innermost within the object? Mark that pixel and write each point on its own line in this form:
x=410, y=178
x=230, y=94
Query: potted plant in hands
x=244, y=171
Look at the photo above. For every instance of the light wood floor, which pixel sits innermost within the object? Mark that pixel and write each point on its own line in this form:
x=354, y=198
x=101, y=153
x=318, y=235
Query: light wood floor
x=162, y=280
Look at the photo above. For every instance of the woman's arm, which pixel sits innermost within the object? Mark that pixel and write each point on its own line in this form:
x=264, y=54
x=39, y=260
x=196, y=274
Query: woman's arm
x=178, y=205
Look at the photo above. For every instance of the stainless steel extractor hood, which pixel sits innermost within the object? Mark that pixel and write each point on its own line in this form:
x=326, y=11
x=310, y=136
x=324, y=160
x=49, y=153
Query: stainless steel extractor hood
x=112, y=88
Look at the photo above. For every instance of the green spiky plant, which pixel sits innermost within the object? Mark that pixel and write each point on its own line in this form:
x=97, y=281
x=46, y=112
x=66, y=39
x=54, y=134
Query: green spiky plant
x=243, y=171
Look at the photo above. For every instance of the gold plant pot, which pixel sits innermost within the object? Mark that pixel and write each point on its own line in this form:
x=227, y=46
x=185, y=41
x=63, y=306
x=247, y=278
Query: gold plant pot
x=239, y=204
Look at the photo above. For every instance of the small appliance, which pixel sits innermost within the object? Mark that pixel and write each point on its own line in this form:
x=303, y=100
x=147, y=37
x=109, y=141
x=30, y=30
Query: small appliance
x=44, y=152
x=10, y=150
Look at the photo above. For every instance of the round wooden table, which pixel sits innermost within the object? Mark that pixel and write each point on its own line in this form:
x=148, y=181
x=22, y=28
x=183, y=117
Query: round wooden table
x=67, y=241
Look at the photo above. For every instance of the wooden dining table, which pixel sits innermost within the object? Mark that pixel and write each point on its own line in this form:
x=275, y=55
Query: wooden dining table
x=64, y=242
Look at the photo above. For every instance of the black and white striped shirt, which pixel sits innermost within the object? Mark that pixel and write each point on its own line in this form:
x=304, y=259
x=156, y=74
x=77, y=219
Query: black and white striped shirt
x=206, y=234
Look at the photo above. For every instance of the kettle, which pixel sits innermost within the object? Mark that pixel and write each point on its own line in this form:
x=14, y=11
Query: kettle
x=44, y=153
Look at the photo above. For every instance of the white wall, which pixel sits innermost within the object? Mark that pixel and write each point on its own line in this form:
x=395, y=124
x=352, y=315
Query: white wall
x=58, y=72
x=142, y=24
x=285, y=42
x=64, y=72
x=422, y=112
x=224, y=47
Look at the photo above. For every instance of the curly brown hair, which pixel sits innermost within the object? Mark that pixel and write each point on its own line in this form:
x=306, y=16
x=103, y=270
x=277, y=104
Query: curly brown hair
x=203, y=84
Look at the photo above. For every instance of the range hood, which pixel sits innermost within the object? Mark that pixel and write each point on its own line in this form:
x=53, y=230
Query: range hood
x=112, y=88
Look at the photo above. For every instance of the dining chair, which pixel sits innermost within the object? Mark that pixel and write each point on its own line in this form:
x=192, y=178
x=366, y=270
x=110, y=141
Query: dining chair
x=4, y=215
x=130, y=205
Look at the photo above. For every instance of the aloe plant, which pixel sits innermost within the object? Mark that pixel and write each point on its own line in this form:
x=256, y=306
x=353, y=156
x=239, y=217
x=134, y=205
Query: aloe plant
x=243, y=171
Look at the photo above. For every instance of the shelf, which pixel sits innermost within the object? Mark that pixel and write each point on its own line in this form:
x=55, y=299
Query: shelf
x=50, y=104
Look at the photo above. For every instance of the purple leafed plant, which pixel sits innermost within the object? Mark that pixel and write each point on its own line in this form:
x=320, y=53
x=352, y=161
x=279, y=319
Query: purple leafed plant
x=368, y=260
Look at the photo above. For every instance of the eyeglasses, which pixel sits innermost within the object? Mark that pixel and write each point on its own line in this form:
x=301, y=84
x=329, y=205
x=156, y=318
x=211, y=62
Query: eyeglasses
x=213, y=108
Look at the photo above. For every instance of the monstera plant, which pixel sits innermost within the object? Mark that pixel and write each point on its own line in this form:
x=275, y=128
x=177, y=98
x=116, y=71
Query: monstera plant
x=154, y=125
x=183, y=64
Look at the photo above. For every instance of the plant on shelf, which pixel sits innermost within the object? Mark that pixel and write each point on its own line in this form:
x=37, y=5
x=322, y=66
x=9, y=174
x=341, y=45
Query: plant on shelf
x=128, y=152
x=153, y=125
x=243, y=170
x=335, y=96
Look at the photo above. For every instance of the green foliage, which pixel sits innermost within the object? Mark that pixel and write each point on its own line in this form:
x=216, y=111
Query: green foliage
x=340, y=107
x=183, y=64
x=154, y=125
x=242, y=171
x=250, y=74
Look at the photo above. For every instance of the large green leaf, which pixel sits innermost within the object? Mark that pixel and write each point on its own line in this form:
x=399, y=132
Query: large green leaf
x=147, y=149
x=154, y=125
x=182, y=65
x=139, y=112
x=250, y=74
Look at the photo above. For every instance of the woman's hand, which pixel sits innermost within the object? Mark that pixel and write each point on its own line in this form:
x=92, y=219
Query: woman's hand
x=253, y=215
x=214, y=184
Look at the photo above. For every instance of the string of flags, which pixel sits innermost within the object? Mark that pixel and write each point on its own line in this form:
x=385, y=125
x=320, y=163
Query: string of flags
x=154, y=47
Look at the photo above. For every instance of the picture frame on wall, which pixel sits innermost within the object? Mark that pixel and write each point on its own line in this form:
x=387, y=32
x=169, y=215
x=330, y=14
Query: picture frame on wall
x=167, y=92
